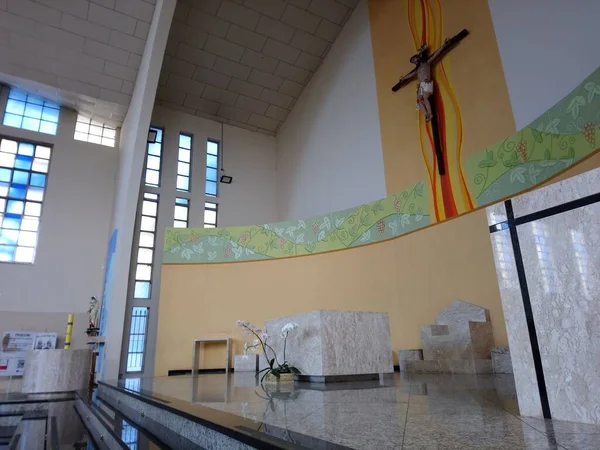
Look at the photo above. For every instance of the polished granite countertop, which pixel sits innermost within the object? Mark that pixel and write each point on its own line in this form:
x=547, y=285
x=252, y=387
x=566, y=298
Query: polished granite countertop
x=398, y=412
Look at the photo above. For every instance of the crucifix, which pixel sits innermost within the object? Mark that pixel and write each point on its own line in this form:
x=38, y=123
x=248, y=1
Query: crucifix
x=423, y=73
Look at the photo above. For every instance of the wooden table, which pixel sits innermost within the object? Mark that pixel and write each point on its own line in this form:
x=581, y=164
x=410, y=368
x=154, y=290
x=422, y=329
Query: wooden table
x=198, y=347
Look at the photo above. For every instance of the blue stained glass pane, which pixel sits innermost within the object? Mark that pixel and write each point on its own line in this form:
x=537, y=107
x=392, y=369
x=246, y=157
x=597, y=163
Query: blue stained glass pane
x=37, y=179
x=7, y=253
x=15, y=207
x=212, y=148
x=183, y=183
x=30, y=124
x=5, y=174
x=15, y=107
x=35, y=100
x=211, y=188
x=17, y=94
x=182, y=201
x=12, y=221
x=142, y=289
x=12, y=120
x=211, y=174
x=50, y=114
x=25, y=149
x=20, y=177
x=48, y=127
x=33, y=111
x=211, y=161
x=17, y=191
x=9, y=237
x=23, y=162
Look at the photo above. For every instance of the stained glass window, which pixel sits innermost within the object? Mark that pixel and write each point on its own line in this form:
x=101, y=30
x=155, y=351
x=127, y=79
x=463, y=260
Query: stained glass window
x=30, y=112
x=212, y=166
x=23, y=177
x=153, y=159
x=95, y=132
x=184, y=162
x=210, y=215
x=182, y=206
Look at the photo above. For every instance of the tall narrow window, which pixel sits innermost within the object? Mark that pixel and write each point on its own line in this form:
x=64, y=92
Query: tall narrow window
x=23, y=174
x=210, y=215
x=145, y=253
x=212, y=166
x=182, y=208
x=30, y=112
x=137, y=339
x=184, y=161
x=153, y=159
x=95, y=132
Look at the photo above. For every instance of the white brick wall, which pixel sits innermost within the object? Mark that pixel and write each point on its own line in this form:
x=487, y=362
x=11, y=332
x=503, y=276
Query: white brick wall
x=86, y=47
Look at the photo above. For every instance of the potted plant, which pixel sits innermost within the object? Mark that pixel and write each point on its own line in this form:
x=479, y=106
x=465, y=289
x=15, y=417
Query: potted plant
x=276, y=371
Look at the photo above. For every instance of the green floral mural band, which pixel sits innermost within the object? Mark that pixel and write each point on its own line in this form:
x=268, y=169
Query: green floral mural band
x=562, y=136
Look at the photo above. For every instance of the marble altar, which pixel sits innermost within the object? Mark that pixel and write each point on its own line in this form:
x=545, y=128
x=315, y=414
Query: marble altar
x=56, y=370
x=335, y=345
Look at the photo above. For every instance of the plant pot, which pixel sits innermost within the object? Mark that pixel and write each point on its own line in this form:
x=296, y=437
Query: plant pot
x=284, y=378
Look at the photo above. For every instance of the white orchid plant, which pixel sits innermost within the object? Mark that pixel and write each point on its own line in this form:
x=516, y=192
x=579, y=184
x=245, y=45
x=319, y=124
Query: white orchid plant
x=260, y=343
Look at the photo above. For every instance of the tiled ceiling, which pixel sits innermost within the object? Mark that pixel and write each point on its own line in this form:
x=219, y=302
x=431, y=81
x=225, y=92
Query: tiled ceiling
x=246, y=62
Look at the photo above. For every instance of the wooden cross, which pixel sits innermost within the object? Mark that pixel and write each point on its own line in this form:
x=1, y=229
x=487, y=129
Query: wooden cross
x=425, y=87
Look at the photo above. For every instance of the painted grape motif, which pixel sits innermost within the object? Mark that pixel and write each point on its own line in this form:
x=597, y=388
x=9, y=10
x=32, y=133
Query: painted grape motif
x=589, y=133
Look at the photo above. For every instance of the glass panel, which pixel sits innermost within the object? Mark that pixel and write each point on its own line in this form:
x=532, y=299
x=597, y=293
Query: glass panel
x=2, y=206
x=147, y=239
x=5, y=175
x=37, y=179
x=50, y=114
x=34, y=100
x=40, y=165
x=9, y=146
x=30, y=224
x=12, y=120
x=96, y=130
x=148, y=223
x=211, y=188
x=185, y=141
x=20, y=177
x=154, y=149
x=15, y=107
x=182, y=201
x=24, y=254
x=179, y=224
x=210, y=216
x=208, y=225
x=153, y=162
x=212, y=148
x=183, y=183
x=35, y=193
x=152, y=177
x=211, y=174
x=109, y=133
x=17, y=94
x=93, y=139
x=33, y=209
x=7, y=160
x=109, y=142
x=150, y=196
x=3, y=189
x=24, y=148
x=11, y=221
x=183, y=169
x=7, y=253
x=48, y=127
x=158, y=134
x=17, y=191
x=149, y=208
x=28, y=238
x=33, y=111
x=184, y=155
x=145, y=255
x=143, y=272
x=211, y=161
x=9, y=237
x=30, y=124
x=42, y=152
x=23, y=162
x=14, y=206
x=181, y=212
x=142, y=289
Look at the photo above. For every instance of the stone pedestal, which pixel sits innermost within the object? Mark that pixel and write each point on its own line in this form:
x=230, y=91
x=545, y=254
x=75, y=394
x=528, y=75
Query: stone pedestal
x=245, y=363
x=335, y=345
x=501, y=360
x=56, y=370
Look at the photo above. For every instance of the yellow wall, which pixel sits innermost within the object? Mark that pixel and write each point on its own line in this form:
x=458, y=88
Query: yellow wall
x=411, y=278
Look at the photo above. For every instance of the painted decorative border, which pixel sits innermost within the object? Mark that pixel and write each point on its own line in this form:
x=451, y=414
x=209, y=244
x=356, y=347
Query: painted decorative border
x=564, y=135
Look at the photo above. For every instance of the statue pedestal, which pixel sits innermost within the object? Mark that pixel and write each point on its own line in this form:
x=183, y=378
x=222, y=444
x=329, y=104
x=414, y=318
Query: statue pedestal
x=56, y=370
x=333, y=346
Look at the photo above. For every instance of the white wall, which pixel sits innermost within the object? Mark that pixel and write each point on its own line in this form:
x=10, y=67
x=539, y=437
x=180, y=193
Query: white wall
x=74, y=230
x=329, y=149
x=547, y=48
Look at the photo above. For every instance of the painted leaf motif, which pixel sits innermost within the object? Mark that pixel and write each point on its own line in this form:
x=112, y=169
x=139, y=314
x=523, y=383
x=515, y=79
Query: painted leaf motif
x=489, y=160
x=552, y=126
x=198, y=248
x=574, y=106
x=548, y=163
x=175, y=249
x=212, y=256
x=300, y=239
x=290, y=231
x=419, y=215
x=533, y=173
x=512, y=161
x=249, y=252
x=419, y=189
x=404, y=220
x=187, y=253
x=393, y=226
x=365, y=236
x=212, y=240
x=537, y=135
x=279, y=231
x=326, y=223
x=517, y=174
x=339, y=221
x=301, y=225
x=593, y=89
x=321, y=235
x=237, y=252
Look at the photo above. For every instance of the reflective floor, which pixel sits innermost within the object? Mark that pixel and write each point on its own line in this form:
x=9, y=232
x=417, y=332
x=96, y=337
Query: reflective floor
x=421, y=412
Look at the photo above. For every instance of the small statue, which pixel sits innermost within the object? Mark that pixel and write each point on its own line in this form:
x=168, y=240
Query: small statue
x=94, y=313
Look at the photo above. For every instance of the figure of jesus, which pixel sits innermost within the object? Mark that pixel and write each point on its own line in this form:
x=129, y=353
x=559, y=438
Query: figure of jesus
x=422, y=72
